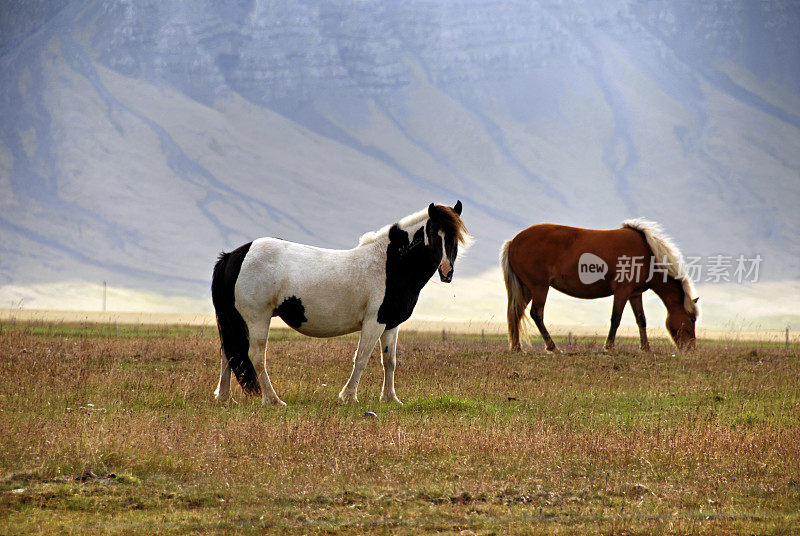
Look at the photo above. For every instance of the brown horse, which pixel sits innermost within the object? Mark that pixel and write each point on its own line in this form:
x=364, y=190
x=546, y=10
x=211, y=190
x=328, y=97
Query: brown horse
x=589, y=263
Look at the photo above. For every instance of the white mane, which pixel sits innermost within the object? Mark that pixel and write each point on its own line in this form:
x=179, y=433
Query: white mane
x=665, y=250
x=412, y=220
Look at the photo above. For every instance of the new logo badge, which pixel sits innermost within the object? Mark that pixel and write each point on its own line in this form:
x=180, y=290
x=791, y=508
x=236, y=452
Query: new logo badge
x=591, y=268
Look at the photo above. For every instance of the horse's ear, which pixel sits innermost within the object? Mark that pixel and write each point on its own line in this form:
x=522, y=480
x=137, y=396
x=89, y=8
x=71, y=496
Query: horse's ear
x=431, y=210
x=697, y=299
x=457, y=207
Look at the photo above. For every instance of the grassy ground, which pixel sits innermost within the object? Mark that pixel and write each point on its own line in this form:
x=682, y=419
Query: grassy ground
x=116, y=432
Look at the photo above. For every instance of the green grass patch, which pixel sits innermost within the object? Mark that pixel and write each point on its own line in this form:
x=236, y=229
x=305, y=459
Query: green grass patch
x=107, y=434
x=445, y=403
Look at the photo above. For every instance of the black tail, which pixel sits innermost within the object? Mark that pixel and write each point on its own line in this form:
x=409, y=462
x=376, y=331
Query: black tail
x=233, y=336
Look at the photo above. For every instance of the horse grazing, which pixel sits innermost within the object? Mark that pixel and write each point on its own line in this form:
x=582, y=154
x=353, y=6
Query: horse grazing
x=372, y=288
x=576, y=262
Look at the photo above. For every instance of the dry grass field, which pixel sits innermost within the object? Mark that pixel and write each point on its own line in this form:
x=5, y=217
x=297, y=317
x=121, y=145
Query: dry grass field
x=114, y=430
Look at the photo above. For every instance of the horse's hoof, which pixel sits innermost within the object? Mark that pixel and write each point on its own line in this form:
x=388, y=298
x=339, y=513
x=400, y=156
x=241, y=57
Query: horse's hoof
x=222, y=398
x=392, y=398
x=273, y=402
x=554, y=350
x=347, y=397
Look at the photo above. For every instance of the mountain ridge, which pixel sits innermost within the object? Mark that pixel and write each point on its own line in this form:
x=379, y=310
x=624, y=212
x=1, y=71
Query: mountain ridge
x=140, y=138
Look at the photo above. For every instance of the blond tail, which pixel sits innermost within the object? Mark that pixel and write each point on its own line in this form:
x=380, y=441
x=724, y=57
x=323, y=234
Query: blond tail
x=518, y=299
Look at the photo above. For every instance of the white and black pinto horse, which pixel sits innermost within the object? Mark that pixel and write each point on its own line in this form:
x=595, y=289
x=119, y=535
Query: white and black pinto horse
x=372, y=288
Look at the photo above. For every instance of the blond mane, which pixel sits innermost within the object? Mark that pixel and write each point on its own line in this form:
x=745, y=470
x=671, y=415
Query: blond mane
x=665, y=251
x=446, y=217
x=409, y=221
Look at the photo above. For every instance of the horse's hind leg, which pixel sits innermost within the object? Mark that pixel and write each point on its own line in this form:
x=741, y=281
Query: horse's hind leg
x=223, y=392
x=641, y=321
x=259, y=333
x=370, y=331
x=389, y=358
x=616, y=315
x=538, y=299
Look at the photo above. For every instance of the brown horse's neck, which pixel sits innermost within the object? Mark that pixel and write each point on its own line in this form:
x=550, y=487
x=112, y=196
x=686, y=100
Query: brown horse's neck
x=671, y=292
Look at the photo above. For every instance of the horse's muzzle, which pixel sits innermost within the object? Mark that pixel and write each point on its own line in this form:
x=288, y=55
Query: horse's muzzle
x=445, y=278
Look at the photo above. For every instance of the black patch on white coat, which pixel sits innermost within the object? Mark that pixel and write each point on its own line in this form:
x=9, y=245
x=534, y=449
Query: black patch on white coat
x=291, y=311
x=407, y=271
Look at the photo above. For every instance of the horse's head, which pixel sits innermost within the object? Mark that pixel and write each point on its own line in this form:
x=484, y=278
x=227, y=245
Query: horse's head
x=681, y=320
x=445, y=231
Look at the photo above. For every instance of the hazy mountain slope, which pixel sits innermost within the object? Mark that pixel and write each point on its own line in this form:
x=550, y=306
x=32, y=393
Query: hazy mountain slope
x=137, y=139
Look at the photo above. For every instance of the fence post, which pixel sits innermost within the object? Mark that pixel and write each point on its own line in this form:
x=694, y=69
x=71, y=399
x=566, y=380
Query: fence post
x=444, y=335
x=787, y=337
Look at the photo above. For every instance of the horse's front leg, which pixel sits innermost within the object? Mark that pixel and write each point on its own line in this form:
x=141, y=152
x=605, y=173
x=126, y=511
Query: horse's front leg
x=259, y=335
x=616, y=315
x=370, y=331
x=389, y=358
x=641, y=321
